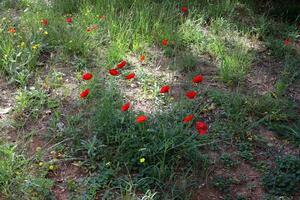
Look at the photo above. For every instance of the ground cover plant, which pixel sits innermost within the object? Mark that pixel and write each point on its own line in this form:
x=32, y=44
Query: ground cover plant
x=149, y=99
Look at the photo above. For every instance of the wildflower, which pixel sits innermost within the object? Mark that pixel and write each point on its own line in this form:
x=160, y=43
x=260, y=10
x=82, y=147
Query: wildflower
x=191, y=94
x=11, y=30
x=130, y=76
x=35, y=46
x=287, y=41
x=102, y=17
x=141, y=118
x=85, y=93
x=142, y=58
x=22, y=44
x=164, y=42
x=184, y=9
x=41, y=164
x=94, y=26
x=46, y=32
x=88, y=29
x=87, y=76
x=164, y=89
x=121, y=64
x=44, y=22
x=198, y=79
x=114, y=72
x=52, y=152
x=142, y=160
x=188, y=118
x=38, y=148
x=201, y=127
x=125, y=107
x=69, y=20
x=51, y=167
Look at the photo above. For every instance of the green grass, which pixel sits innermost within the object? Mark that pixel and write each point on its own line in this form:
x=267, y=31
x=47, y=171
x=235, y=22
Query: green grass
x=15, y=181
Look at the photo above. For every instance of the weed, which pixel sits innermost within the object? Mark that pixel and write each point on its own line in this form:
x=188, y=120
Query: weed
x=285, y=178
x=223, y=183
x=31, y=102
x=15, y=181
x=228, y=161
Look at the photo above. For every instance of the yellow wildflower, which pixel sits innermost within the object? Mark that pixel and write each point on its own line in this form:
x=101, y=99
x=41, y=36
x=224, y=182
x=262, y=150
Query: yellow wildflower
x=142, y=160
x=46, y=32
x=35, y=46
x=38, y=149
x=41, y=164
x=51, y=167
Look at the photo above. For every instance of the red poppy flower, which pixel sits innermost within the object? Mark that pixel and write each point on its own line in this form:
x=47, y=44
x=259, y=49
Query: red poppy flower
x=114, y=72
x=130, y=76
x=69, y=20
x=84, y=93
x=184, y=9
x=121, y=64
x=287, y=41
x=191, y=94
x=164, y=42
x=201, y=127
x=12, y=30
x=164, y=89
x=188, y=118
x=141, y=118
x=125, y=107
x=87, y=76
x=45, y=22
x=142, y=58
x=198, y=79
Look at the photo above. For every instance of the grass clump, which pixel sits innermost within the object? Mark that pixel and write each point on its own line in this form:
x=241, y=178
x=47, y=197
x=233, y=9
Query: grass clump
x=31, y=102
x=15, y=181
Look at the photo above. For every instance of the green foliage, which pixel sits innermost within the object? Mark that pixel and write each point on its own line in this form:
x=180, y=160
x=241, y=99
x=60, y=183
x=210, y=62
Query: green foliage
x=223, y=183
x=30, y=102
x=289, y=74
x=233, y=120
x=228, y=161
x=243, y=113
x=284, y=179
x=15, y=181
x=18, y=56
x=118, y=143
